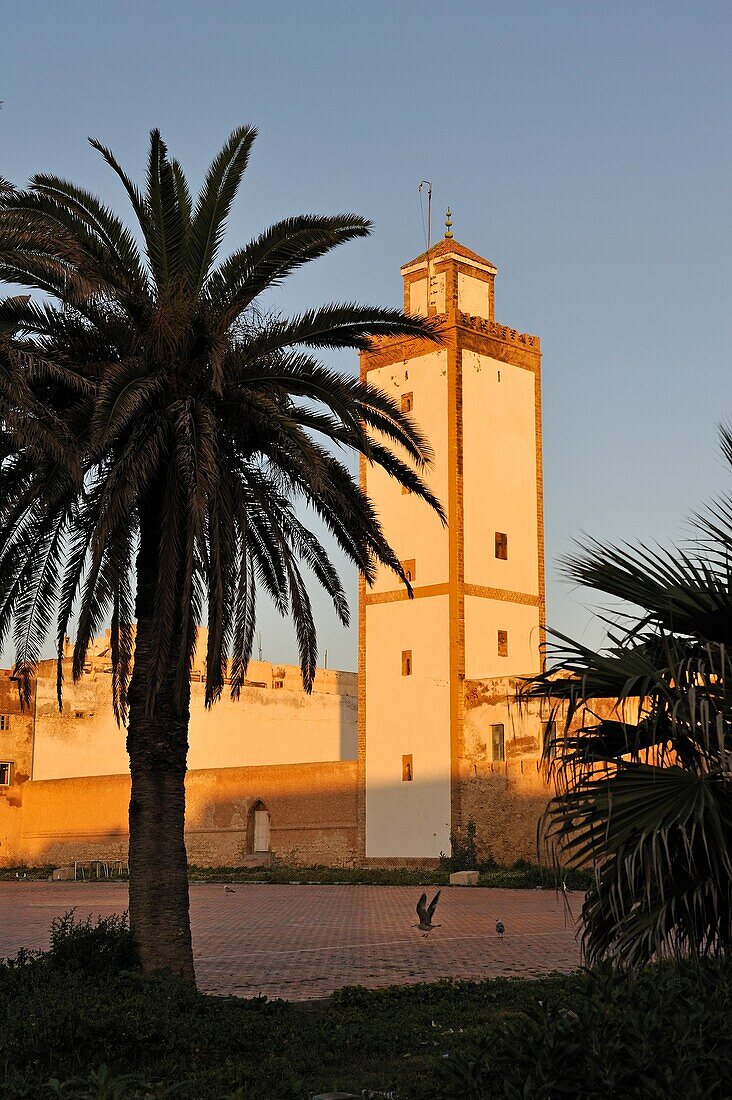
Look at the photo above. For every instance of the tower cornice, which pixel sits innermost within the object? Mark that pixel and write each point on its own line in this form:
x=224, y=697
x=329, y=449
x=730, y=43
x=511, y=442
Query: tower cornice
x=475, y=333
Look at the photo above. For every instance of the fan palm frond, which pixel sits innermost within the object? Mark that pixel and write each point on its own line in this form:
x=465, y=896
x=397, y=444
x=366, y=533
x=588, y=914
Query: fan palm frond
x=644, y=790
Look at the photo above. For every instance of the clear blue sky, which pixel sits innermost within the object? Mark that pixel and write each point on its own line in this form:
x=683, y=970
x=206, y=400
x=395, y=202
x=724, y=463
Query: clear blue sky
x=583, y=147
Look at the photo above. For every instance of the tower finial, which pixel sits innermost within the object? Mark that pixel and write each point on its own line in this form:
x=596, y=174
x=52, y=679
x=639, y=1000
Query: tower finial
x=448, y=224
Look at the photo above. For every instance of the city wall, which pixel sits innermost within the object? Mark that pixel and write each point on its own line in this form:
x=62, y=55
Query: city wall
x=312, y=804
x=312, y=810
x=273, y=722
x=16, y=755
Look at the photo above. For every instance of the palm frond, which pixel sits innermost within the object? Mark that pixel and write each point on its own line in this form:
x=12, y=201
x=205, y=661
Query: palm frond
x=644, y=789
x=161, y=428
x=269, y=259
x=214, y=202
x=347, y=325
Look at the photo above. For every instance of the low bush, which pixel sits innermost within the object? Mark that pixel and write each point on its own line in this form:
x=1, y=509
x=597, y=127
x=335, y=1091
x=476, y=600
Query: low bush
x=102, y=1084
x=79, y=1023
x=23, y=873
x=662, y=1034
x=130, y=1037
x=463, y=852
x=522, y=875
x=84, y=947
x=320, y=875
x=91, y=947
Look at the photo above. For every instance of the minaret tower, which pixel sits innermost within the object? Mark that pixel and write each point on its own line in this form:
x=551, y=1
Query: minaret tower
x=478, y=607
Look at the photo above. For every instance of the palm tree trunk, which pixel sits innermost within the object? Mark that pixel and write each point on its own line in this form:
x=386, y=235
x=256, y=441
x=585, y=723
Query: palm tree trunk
x=158, y=747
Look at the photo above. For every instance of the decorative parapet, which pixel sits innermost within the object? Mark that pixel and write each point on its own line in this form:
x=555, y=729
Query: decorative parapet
x=499, y=332
x=386, y=350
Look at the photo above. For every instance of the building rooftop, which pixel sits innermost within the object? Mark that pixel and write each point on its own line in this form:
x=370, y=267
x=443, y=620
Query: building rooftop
x=446, y=246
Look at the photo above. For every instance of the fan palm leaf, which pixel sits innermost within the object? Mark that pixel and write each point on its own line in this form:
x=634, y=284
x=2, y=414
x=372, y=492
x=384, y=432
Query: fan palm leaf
x=644, y=792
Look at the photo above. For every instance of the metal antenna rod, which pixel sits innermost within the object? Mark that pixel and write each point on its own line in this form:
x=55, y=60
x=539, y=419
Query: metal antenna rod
x=428, y=235
x=428, y=230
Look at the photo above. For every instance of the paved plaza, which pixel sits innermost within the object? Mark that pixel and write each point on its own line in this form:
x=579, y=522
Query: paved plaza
x=303, y=942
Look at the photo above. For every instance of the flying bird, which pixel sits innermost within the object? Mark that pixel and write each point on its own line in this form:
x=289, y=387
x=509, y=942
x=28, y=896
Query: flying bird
x=500, y=928
x=426, y=912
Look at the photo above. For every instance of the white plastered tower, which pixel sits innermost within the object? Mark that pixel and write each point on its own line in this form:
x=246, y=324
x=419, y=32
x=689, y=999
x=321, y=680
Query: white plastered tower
x=478, y=607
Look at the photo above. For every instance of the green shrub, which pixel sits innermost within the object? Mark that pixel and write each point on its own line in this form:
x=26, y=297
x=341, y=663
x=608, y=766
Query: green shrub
x=22, y=872
x=124, y=1036
x=321, y=875
x=100, y=1084
x=463, y=851
x=104, y=946
x=109, y=1035
x=522, y=875
x=662, y=1034
x=78, y=947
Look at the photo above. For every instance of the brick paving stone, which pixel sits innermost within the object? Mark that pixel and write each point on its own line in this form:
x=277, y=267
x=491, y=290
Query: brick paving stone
x=303, y=942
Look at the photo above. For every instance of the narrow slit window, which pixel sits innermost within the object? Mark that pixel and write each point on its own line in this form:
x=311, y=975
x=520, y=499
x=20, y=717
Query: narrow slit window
x=410, y=570
x=407, y=769
x=407, y=402
x=498, y=742
x=502, y=545
x=406, y=662
x=503, y=643
x=6, y=773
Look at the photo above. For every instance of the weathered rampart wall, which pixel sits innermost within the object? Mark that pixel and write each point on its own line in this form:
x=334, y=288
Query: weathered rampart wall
x=312, y=810
x=273, y=722
x=505, y=797
x=16, y=760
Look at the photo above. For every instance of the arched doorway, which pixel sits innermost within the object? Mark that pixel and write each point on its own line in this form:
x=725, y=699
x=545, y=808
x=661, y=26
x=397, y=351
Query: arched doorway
x=259, y=831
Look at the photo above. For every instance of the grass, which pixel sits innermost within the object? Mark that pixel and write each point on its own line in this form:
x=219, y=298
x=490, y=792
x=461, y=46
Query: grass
x=23, y=873
x=78, y=1021
x=60, y=1024
x=521, y=876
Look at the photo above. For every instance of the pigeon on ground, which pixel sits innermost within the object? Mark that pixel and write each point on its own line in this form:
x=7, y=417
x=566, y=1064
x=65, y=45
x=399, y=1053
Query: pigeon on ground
x=426, y=912
x=500, y=928
x=229, y=890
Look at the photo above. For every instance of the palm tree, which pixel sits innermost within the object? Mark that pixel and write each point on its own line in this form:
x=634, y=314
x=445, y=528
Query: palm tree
x=645, y=786
x=178, y=427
